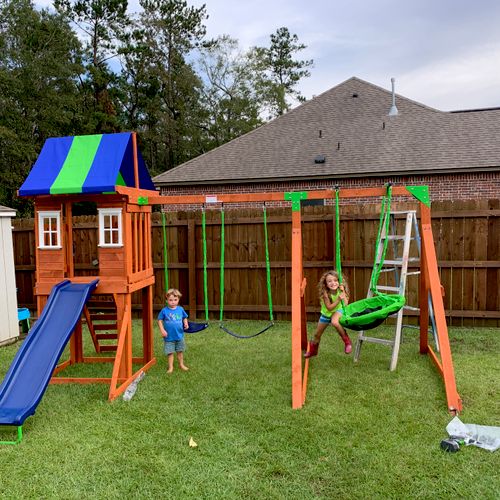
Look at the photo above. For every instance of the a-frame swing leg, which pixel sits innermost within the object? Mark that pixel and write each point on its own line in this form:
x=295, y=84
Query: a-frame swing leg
x=299, y=334
x=430, y=283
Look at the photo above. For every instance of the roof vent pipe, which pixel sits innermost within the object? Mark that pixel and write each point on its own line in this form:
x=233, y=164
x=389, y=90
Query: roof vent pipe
x=393, y=111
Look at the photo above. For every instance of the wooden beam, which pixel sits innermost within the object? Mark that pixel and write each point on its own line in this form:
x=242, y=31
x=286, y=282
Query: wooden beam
x=297, y=395
x=453, y=399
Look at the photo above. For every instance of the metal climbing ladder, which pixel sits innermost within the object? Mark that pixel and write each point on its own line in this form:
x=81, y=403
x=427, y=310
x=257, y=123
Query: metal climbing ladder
x=398, y=265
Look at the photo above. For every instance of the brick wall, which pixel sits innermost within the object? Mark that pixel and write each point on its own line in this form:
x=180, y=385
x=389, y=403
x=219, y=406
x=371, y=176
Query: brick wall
x=473, y=186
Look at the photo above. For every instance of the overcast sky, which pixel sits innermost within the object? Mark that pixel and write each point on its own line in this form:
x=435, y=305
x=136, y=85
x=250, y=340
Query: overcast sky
x=443, y=53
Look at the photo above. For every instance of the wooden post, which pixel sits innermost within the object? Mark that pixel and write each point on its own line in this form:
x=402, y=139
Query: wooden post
x=67, y=236
x=147, y=324
x=297, y=397
x=423, y=300
x=453, y=399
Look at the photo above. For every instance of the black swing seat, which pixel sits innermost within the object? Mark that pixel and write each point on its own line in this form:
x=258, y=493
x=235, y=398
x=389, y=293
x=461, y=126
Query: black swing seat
x=194, y=327
x=371, y=312
x=224, y=328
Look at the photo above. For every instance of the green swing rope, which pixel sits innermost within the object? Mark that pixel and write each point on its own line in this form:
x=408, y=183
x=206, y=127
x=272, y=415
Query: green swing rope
x=165, y=258
x=358, y=315
x=268, y=279
x=268, y=267
x=205, y=277
x=165, y=261
x=384, y=213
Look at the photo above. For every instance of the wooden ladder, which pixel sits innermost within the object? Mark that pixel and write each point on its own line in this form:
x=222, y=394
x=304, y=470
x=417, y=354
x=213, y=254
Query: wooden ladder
x=398, y=265
x=101, y=320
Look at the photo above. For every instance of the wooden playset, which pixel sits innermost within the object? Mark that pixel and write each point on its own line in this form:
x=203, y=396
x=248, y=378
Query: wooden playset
x=108, y=170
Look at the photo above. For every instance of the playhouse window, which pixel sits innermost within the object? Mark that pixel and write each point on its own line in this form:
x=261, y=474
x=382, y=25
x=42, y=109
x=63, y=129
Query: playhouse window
x=110, y=227
x=49, y=234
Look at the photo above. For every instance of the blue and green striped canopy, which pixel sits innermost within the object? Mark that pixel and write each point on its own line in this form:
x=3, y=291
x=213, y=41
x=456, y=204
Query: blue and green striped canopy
x=85, y=164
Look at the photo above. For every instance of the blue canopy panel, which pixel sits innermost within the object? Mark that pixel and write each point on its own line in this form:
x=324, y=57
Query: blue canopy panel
x=86, y=164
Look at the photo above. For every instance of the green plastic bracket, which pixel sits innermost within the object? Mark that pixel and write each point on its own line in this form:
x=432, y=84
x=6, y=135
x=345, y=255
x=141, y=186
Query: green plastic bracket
x=19, y=436
x=295, y=197
x=421, y=193
x=142, y=200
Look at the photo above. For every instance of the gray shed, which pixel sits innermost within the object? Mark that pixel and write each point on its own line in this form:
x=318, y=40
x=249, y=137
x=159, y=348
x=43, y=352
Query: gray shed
x=9, y=326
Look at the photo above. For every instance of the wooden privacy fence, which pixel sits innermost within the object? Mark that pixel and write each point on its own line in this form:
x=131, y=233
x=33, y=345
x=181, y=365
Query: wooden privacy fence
x=466, y=236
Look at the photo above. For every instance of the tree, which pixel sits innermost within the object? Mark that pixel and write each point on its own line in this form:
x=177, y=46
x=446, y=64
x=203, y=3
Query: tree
x=229, y=96
x=40, y=60
x=102, y=23
x=168, y=30
x=279, y=72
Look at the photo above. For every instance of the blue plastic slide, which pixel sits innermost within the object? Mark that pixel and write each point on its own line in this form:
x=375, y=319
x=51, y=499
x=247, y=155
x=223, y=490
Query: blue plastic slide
x=34, y=363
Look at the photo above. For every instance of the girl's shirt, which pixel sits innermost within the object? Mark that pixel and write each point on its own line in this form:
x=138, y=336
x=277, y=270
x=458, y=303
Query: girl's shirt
x=333, y=298
x=173, y=322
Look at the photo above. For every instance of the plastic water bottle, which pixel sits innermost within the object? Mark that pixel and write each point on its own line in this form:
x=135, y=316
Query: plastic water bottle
x=132, y=388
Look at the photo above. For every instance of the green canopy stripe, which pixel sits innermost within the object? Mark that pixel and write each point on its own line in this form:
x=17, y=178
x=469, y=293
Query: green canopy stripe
x=120, y=181
x=77, y=165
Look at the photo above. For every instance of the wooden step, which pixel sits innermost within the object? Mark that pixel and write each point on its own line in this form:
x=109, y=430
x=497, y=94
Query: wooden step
x=106, y=336
x=108, y=348
x=108, y=326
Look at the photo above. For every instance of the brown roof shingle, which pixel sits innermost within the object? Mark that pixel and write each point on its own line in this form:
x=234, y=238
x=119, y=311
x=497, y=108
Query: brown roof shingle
x=350, y=126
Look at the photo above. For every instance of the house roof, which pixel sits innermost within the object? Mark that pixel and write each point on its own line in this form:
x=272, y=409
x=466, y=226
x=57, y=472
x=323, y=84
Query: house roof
x=85, y=164
x=349, y=125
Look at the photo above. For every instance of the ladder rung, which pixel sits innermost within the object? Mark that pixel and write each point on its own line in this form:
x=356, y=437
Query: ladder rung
x=400, y=262
x=395, y=237
x=387, y=269
x=403, y=212
x=413, y=273
x=411, y=308
x=388, y=288
x=376, y=341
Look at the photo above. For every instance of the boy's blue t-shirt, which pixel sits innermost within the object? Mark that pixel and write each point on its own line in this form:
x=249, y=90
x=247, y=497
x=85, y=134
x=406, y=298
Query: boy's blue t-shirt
x=173, y=322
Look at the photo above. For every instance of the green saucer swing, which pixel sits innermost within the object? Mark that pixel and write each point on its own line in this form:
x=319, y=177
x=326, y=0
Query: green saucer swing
x=370, y=312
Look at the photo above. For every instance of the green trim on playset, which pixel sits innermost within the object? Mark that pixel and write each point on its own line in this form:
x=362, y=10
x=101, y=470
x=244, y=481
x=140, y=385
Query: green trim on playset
x=421, y=193
x=77, y=165
x=143, y=200
x=295, y=197
x=19, y=435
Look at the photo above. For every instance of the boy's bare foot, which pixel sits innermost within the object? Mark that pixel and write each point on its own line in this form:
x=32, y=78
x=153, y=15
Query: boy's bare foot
x=170, y=370
x=184, y=367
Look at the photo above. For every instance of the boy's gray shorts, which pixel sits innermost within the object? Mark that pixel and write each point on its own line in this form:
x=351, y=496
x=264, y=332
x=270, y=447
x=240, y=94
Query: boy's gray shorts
x=175, y=346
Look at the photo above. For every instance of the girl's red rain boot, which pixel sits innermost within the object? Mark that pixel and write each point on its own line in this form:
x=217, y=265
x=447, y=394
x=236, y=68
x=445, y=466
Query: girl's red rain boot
x=347, y=343
x=312, y=351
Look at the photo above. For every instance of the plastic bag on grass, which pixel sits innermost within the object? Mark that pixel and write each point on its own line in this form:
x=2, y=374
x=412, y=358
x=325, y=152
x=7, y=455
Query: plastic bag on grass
x=482, y=436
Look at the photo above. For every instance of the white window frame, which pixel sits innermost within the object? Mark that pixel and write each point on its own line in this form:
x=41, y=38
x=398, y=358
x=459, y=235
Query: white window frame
x=42, y=216
x=110, y=212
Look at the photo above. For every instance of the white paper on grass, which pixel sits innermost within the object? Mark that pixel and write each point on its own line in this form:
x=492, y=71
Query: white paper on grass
x=483, y=436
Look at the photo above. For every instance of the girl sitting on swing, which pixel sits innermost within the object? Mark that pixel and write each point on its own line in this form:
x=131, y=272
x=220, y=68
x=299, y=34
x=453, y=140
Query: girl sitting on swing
x=331, y=294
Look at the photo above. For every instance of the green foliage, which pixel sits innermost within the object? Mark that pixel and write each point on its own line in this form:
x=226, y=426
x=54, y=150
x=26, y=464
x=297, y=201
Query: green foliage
x=39, y=67
x=279, y=72
x=364, y=432
x=229, y=91
x=102, y=23
x=90, y=67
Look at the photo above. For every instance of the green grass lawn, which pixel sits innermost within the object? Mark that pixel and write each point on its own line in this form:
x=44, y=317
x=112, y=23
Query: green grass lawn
x=364, y=432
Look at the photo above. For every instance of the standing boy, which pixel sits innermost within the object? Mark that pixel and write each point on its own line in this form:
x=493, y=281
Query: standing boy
x=172, y=321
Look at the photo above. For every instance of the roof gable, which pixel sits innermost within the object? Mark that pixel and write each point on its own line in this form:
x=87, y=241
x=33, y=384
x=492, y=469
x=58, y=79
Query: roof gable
x=85, y=164
x=349, y=125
